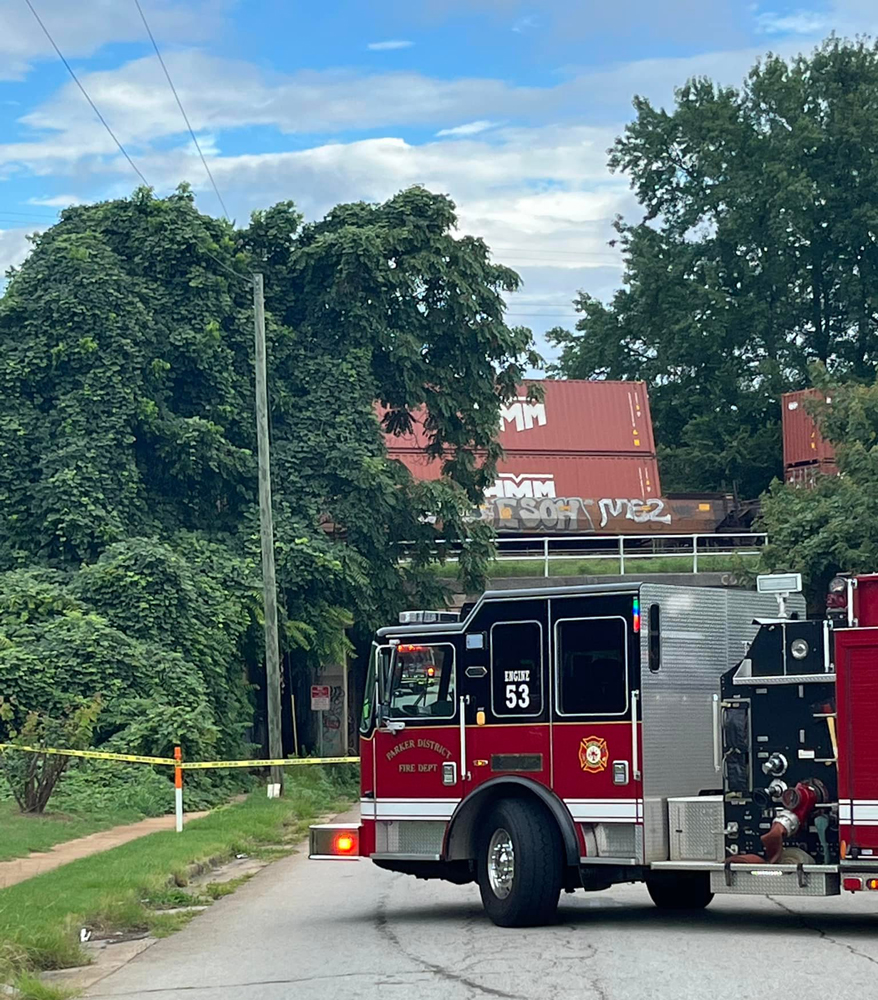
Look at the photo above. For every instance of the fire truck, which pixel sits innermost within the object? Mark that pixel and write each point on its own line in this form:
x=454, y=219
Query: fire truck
x=700, y=741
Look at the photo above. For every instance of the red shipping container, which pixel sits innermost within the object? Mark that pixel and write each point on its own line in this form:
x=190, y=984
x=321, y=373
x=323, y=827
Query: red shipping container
x=575, y=417
x=803, y=443
x=547, y=493
x=524, y=475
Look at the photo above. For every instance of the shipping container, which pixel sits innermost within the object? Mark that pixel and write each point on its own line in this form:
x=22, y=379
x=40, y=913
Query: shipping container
x=807, y=475
x=803, y=443
x=549, y=493
x=575, y=417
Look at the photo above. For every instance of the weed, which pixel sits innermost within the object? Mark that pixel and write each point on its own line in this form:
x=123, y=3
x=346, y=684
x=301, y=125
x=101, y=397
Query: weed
x=30, y=988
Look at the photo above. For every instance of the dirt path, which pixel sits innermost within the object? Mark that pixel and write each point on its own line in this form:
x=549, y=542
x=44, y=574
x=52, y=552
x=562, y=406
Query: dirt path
x=19, y=869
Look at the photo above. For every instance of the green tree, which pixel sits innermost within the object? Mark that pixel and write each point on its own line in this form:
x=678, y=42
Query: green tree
x=128, y=509
x=755, y=257
x=833, y=527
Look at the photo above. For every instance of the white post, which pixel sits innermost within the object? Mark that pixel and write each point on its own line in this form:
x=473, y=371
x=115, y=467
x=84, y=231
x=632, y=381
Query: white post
x=178, y=789
x=622, y=555
x=695, y=553
x=546, y=556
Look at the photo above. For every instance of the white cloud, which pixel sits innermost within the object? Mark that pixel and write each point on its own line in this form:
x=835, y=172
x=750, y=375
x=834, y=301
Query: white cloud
x=57, y=201
x=14, y=246
x=95, y=24
x=471, y=128
x=801, y=22
x=389, y=45
x=222, y=94
x=525, y=24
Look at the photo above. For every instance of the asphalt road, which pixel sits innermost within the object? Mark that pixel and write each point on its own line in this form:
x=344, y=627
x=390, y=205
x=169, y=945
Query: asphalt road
x=321, y=930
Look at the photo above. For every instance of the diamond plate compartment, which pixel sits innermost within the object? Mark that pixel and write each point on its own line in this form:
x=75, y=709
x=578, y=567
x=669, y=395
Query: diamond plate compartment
x=783, y=881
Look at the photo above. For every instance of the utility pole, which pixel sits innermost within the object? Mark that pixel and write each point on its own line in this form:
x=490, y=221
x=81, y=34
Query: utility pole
x=266, y=525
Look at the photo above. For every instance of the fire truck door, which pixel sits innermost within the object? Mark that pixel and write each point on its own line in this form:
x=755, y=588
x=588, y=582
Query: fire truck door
x=595, y=720
x=507, y=692
x=418, y=779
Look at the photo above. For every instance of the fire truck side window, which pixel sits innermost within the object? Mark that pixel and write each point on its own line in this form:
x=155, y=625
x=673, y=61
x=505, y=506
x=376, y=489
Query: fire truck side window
x=592, y=666
x=422, y=685
x=517, y=668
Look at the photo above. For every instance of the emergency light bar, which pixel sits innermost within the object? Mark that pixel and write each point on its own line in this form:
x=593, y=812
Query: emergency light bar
x=427, y=617
x=779, y=583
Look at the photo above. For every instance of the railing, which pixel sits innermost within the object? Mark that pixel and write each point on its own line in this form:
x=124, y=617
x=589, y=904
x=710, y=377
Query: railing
x=624, y=548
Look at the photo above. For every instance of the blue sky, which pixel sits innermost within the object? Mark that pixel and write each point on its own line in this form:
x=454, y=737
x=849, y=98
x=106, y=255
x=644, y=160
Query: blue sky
x=507, y=106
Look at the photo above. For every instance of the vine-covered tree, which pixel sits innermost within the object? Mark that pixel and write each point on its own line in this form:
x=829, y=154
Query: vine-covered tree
x=757, y=254
x=128, y=509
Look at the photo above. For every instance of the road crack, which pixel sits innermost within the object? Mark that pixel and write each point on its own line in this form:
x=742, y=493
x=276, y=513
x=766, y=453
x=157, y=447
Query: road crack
x=383, y=926
x=823, y=935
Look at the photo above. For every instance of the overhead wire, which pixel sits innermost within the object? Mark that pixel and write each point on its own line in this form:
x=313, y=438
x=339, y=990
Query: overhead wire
x=182, y=109
x=85, y=93
x=113, y=135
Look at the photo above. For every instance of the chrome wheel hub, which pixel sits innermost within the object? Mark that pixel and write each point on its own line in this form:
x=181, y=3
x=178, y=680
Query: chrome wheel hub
x=501, y=863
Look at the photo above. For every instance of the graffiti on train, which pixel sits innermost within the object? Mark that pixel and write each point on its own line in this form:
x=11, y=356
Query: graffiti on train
x=549, y=513
x=639, y=511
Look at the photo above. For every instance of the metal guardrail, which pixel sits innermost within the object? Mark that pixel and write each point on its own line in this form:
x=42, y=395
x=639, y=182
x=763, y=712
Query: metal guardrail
x=623, y=548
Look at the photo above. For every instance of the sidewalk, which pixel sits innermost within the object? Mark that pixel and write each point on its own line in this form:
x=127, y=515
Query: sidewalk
x=20, y=869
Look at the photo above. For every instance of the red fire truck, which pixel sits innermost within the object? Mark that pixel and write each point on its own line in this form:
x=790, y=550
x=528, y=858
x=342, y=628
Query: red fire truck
x=701, y=741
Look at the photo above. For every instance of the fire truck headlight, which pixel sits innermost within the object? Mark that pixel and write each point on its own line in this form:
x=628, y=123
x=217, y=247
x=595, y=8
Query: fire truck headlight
x=837, y=585
x=799, y=648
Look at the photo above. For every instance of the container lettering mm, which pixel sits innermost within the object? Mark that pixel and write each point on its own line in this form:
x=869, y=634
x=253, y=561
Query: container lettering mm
x=573, y=418
x=803, y=443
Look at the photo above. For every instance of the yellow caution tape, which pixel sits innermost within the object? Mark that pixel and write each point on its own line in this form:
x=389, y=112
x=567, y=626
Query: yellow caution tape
x=94, y=754
x=201, y=765
x=195, y=765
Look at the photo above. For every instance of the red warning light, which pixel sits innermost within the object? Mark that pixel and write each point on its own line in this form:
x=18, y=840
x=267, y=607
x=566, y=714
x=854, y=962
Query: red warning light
x=345, y=843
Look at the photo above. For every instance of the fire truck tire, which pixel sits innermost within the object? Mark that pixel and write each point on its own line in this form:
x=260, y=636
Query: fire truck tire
x=679, y=890
x=520, y=865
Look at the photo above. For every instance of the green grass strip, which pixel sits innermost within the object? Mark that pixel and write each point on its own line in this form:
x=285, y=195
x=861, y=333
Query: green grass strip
x=119, y=889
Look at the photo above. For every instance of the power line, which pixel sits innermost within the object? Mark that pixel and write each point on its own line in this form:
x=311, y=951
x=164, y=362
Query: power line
x=180, y=106
x=27, y=215
x=94, y=108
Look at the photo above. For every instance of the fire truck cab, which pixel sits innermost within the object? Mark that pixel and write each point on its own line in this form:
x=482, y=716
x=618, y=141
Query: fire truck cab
x=701, y=741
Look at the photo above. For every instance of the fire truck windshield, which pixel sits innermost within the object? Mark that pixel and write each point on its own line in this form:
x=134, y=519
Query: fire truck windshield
x=422, y=681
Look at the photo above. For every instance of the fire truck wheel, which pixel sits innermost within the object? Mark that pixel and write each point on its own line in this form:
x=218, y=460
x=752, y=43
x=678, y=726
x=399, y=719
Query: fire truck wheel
x=520, y=865
x=679, y=890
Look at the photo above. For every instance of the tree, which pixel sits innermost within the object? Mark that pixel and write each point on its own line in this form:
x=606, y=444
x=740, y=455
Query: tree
x=757, y=255
x=128, y=467
x=833, y=527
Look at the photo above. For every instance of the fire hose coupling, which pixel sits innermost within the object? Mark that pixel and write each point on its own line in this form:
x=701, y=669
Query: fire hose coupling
x=799, y=803
x=775, y=765
x=788, y=820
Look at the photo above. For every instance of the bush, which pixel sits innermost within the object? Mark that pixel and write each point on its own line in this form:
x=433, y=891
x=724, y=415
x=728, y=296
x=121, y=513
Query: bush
x=32, y=776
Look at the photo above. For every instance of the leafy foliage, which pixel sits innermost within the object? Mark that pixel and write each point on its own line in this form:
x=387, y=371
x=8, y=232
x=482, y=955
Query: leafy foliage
x=129, y=528
x=32, y=776
x=833, y=527
x=756, y=257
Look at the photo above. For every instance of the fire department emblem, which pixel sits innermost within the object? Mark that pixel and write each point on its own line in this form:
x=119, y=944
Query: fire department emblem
x=593, y=754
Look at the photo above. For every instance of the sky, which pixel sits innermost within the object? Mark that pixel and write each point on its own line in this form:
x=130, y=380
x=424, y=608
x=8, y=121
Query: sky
x=507, y=106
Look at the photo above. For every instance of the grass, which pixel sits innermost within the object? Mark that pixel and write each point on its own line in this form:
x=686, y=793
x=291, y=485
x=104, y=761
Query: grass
x=602, y=567
x=120, y=889
x=31, y=988
x=21, y=834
